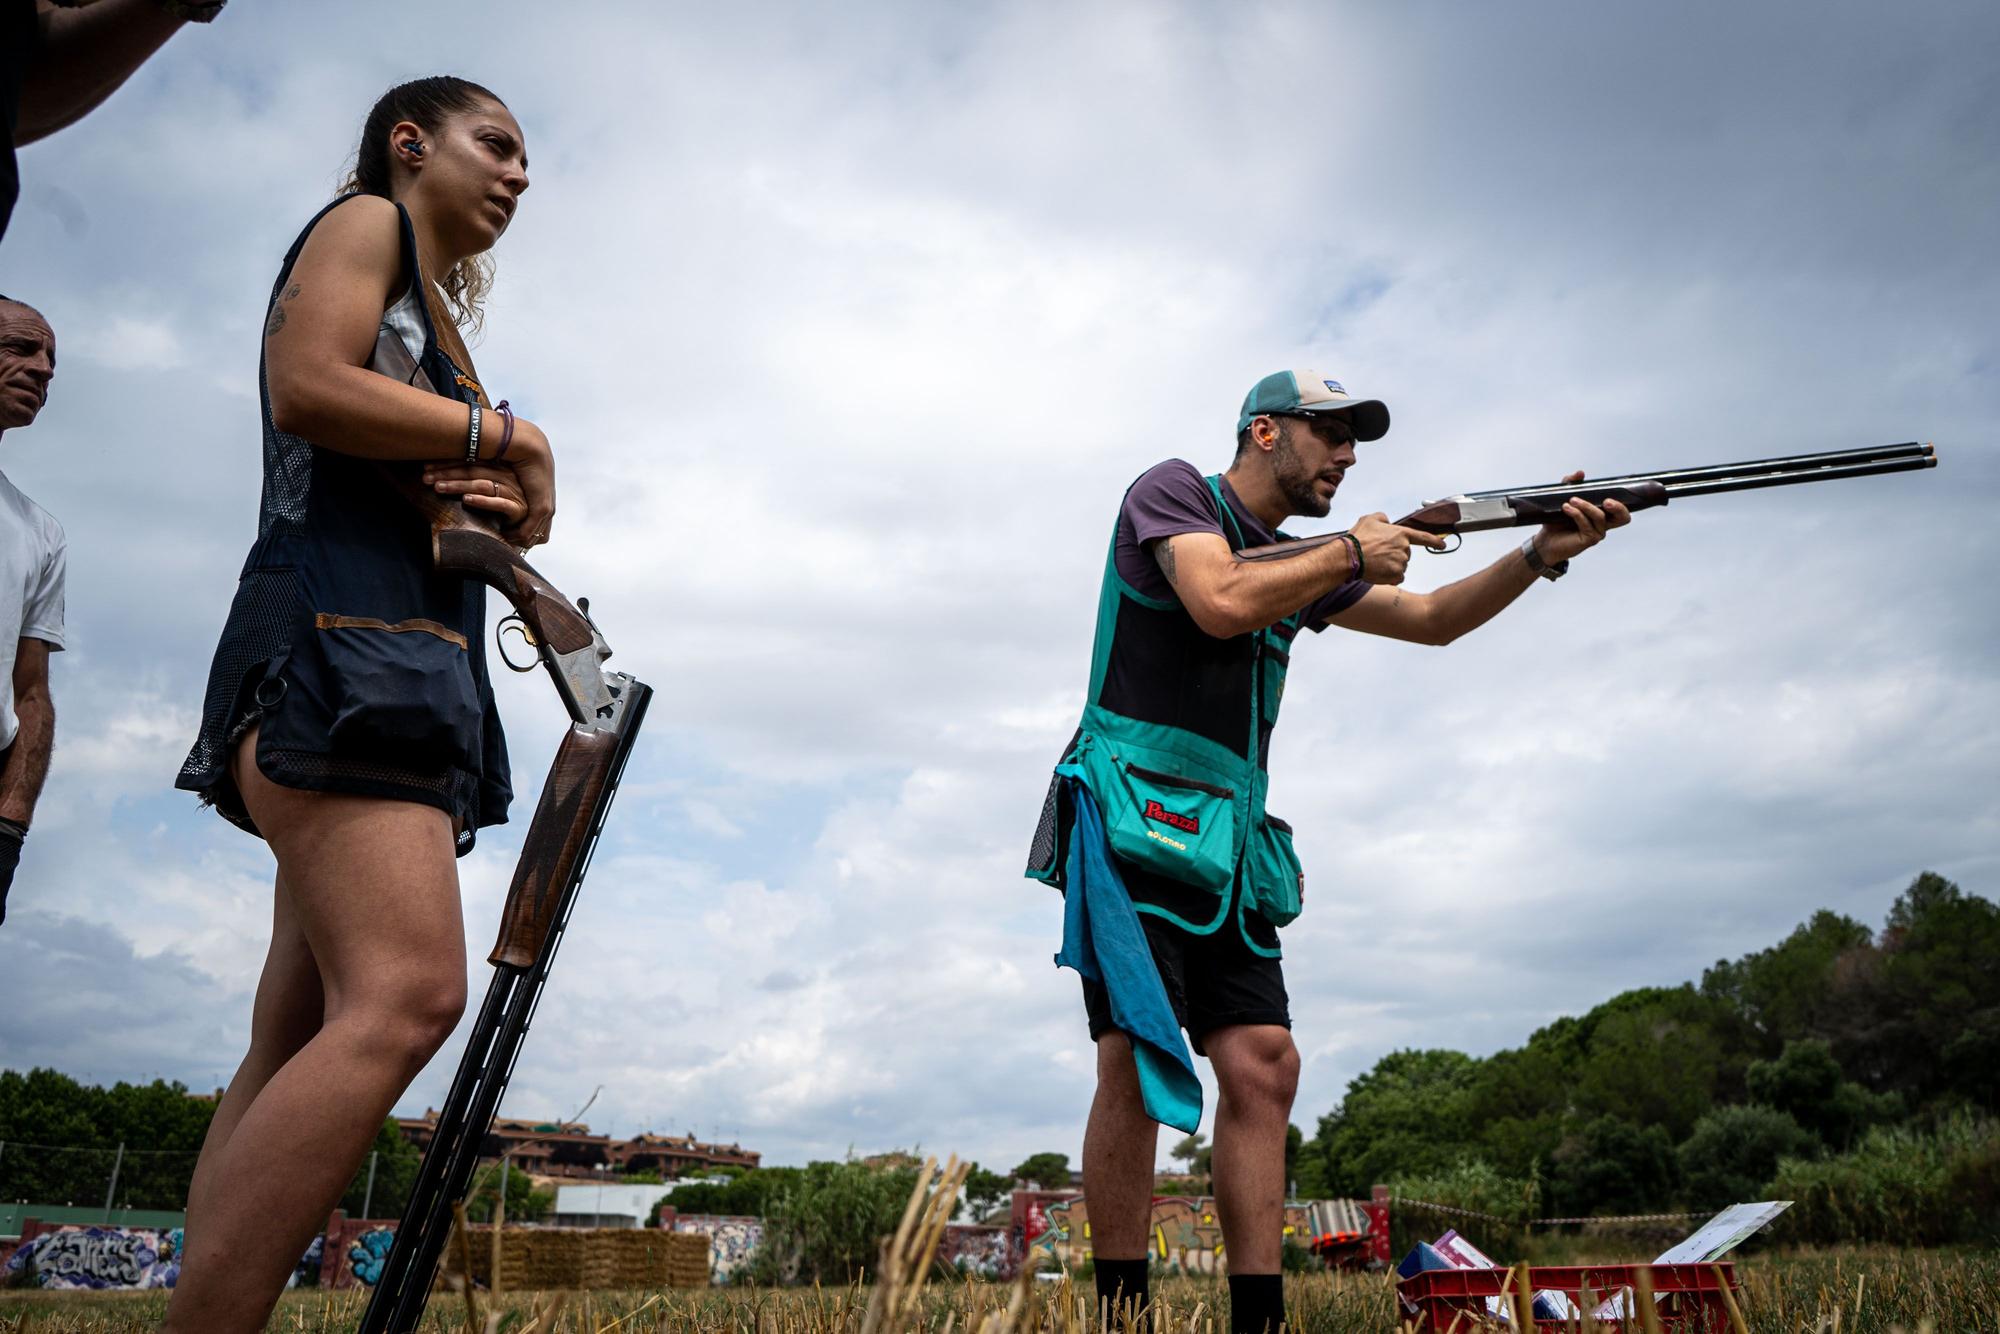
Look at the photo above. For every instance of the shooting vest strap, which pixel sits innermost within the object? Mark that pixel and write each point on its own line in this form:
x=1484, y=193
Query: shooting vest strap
x=1173, y=744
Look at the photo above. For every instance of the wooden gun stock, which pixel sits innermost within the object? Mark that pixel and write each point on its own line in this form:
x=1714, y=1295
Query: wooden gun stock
x=467, y=543
x=558, y=836
x=1445, y=516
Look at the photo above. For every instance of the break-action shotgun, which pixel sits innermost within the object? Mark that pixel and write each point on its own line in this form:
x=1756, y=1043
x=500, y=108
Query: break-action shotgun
x=605, y=710
x=1478, y=511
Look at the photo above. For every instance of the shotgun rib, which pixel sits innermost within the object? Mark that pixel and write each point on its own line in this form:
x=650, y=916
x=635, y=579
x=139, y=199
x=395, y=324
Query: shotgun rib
x=1517, y=507
x=606, y=709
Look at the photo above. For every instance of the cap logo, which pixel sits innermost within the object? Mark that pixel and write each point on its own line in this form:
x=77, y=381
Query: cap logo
x=1333, y=386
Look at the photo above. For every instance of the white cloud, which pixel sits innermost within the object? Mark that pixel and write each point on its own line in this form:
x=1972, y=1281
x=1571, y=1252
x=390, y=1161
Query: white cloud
x=850, y=329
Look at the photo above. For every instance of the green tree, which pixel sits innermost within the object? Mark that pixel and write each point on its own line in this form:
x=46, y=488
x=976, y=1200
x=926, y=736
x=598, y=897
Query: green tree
x=748, y=1195
x=159, y=1124
x=1050, y=1171
x=985, y=1191
x=1788, y=990
x=1309, y=1175
x=526, y=1202
x=1405, y=1117
x=826, y=1225
x=1652, y=1059
x=1936, y=998
x=396, y=1163
x=1805, y=1081
x=1609, y=1166
x=1734, y=1152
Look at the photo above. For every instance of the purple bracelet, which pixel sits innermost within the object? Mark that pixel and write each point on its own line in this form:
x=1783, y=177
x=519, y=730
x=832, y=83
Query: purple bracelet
x=1354, y=543
x=506, y=430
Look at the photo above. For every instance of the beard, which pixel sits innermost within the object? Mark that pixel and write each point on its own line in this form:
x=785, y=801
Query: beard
x=1294, y=482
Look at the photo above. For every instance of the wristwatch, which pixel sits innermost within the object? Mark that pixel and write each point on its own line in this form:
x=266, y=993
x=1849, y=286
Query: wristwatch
x=1540, y=566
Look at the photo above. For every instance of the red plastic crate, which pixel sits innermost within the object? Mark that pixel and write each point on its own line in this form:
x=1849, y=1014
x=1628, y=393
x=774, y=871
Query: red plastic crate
x=1690, y=1295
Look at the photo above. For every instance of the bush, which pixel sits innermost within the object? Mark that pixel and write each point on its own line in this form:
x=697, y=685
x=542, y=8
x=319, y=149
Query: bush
x=1735, y=1150
x=1900, y=1185
x=1613, y=1167
x=748, y=1194
x=1806, y=1081
x=827, y=1224
x=1471, y=1184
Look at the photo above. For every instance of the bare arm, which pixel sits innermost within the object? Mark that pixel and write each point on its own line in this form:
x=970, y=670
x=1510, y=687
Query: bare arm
x=321, y=333
x=1228, y=596
x=86, y=54
x=1458, y=608
x=1443, y=615
x=28, y=761
x=318, y=340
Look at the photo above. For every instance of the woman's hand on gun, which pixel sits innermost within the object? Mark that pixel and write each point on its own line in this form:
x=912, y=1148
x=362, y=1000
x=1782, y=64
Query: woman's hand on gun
x=490, y=487
x=520, y=490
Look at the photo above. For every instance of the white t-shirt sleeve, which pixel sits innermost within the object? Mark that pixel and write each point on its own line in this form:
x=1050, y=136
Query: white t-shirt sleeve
x=42, y=615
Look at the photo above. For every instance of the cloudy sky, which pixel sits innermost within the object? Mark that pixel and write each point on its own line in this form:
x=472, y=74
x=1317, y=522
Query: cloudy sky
x=849, y=328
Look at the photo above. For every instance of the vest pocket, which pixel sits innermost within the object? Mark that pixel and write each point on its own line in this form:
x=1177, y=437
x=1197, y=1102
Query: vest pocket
x=1277, y=879
x=1180, y=827
x=401, y=693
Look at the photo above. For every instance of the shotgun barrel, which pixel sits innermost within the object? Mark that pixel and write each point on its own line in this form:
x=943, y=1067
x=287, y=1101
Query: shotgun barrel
x=1519, y=507
x=606, y=709
x=1515, y=507
x=397, y=1304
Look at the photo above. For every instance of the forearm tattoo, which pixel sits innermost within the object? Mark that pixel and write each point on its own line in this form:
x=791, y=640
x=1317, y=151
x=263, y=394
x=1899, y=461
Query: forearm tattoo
x=277, y=320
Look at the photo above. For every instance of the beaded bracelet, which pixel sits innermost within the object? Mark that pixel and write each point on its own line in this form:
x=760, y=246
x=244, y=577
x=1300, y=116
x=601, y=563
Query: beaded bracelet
x=506, y=430
x=1360, y=566
x=472, y=436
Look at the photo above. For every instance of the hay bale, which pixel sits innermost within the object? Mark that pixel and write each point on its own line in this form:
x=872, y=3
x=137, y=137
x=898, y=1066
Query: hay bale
x=687, y=1259
x=543, y=1259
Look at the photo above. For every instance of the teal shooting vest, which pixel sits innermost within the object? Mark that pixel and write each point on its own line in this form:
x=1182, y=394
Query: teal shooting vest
x=1174, y=744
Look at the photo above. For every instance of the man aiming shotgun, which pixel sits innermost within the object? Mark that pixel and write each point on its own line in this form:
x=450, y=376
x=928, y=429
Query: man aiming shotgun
x=1176, y=878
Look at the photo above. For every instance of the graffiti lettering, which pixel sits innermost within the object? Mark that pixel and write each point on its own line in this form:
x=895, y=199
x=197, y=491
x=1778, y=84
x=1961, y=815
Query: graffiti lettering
x=100, y=1257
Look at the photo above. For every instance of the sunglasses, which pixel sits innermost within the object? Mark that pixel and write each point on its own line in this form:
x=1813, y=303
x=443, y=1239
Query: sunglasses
x=1330, y=429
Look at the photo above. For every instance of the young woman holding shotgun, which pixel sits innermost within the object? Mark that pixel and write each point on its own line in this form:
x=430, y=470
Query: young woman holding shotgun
x=349, y=721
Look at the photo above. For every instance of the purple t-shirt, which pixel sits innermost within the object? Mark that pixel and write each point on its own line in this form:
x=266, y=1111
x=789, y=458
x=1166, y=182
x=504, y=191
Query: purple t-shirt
x=1171, y=498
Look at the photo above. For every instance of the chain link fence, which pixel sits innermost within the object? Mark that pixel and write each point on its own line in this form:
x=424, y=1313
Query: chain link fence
x=118, y=1177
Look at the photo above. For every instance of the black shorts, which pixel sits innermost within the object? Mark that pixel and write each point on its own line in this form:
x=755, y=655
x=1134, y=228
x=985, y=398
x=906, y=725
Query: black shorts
x=1212, y=981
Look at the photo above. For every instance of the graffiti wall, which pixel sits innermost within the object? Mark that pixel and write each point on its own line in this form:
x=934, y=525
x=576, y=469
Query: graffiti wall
x=732, y=1240
x=98, y=1257
x=354, y=1250
x=1185, y=1233
x=971, y=1249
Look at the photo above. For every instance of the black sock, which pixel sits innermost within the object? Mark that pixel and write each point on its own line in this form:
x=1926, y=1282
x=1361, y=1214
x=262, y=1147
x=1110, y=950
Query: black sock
x=1256, y=1303
x=1121, y=1283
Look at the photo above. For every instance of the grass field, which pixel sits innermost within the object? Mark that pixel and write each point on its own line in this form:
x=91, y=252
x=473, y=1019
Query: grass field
x=1834, y=1292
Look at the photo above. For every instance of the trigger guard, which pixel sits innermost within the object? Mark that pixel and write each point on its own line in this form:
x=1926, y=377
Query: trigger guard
x=514, y=622
x=1457, y=541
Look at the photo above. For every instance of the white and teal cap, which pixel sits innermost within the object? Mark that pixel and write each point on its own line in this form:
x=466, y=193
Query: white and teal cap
x=1289, y=392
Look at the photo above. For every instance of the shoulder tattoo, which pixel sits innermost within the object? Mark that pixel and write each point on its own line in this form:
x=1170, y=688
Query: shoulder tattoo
x=1163, y=552
x=277, y=320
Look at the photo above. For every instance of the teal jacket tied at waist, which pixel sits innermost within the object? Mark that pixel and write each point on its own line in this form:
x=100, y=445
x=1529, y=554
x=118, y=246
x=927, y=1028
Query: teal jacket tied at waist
x=1104, y=942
